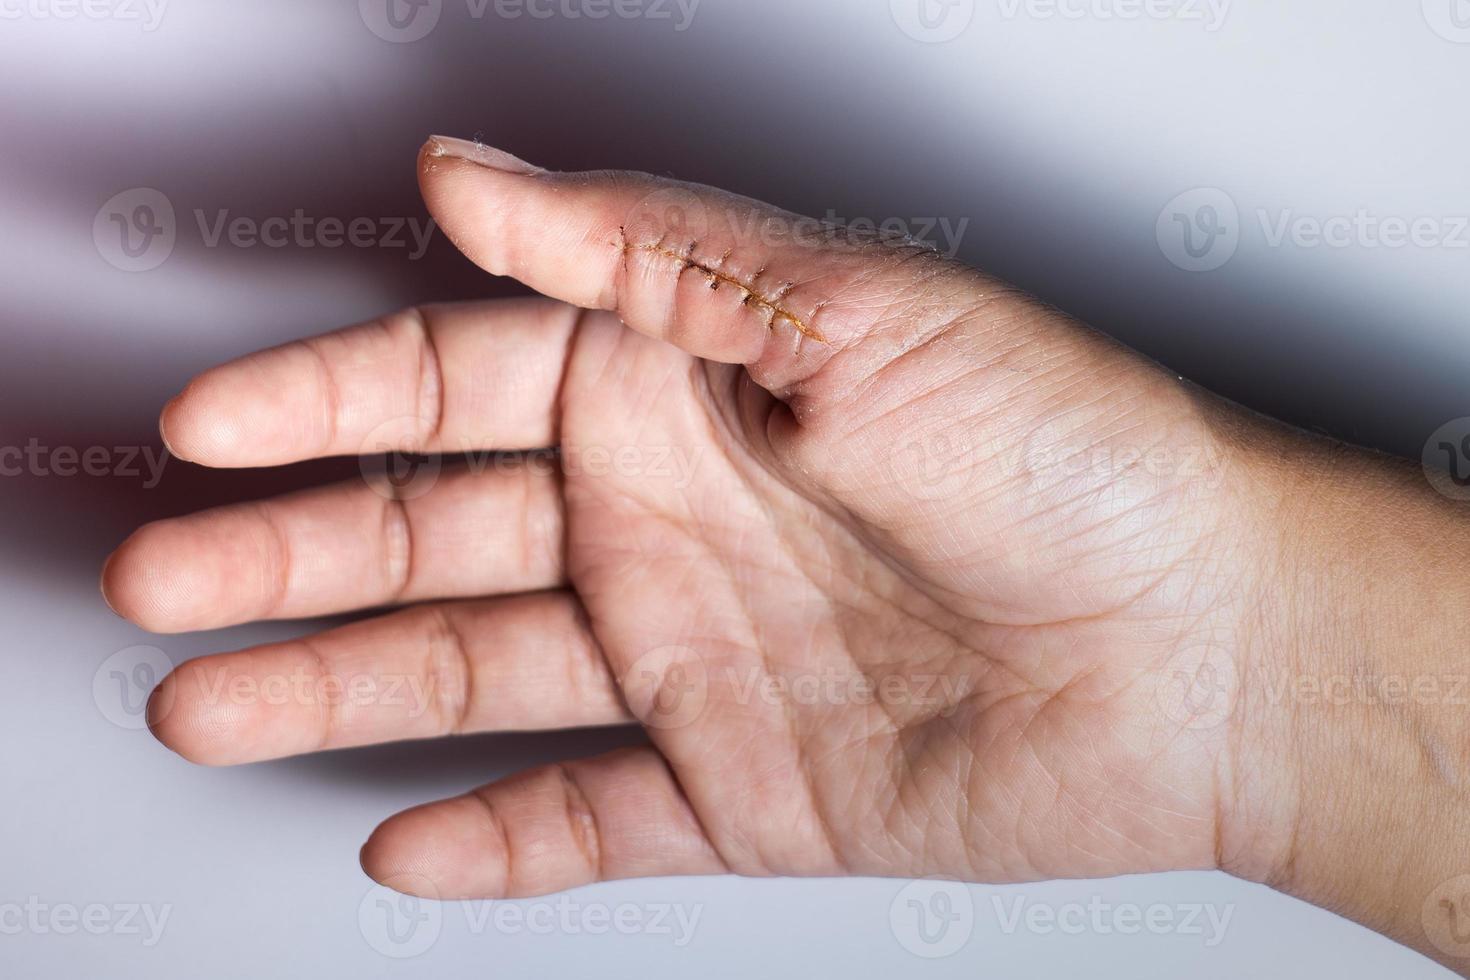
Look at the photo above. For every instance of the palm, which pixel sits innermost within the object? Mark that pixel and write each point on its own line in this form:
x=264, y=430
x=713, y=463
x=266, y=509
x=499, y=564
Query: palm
x=874, y=614
x=790, y=659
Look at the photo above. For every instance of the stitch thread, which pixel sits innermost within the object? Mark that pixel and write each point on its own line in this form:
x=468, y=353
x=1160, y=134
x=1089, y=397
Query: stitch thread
x=774, y=310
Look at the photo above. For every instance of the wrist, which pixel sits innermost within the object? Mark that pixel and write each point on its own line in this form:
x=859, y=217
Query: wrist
x=1352, y=734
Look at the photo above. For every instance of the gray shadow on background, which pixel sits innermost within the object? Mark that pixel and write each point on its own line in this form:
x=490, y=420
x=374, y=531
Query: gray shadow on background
x=1320, y=357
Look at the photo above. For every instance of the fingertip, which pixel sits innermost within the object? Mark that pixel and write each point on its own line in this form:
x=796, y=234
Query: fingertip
x=438, y=850
x=203, y=728
x=379, y=856
x=387, y=857
x=202, y=423
x=507, y=218
x=139, y=584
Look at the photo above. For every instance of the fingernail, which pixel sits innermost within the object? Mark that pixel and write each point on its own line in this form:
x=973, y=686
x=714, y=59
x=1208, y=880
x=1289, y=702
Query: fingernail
x=102, y=585
x=163, y=428
x=476, y=152
x=160, y=703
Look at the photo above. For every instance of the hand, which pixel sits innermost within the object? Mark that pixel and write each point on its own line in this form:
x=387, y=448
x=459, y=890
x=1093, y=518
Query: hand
x=904, y=572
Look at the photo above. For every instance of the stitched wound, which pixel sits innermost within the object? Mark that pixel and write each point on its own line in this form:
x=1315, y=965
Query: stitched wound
x=750, y=296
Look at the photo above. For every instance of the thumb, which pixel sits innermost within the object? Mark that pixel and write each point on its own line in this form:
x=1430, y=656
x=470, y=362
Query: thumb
x=721, y=276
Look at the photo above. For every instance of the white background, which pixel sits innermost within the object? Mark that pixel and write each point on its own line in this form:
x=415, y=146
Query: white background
x=1059, y=139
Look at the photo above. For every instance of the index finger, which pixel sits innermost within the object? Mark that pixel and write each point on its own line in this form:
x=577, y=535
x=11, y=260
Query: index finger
x=436, y=379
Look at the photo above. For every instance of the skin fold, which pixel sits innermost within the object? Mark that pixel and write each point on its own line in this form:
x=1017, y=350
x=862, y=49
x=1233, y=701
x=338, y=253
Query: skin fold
x=903, y=572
